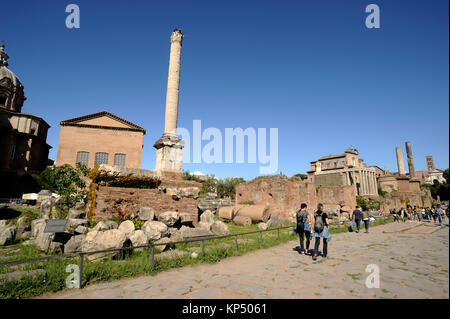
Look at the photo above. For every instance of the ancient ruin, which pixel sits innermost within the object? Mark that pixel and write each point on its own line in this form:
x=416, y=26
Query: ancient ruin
x=169, y=146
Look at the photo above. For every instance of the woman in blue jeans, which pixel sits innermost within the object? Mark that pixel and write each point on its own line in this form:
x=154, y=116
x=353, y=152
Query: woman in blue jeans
x=325, y=234
x=366, y=218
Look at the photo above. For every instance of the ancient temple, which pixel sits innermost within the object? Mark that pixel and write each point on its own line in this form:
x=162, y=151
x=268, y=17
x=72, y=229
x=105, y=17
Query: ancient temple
x=345, y=169
x=23, y=136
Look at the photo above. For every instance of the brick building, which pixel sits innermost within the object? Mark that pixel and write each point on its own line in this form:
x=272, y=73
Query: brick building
x=100, y=138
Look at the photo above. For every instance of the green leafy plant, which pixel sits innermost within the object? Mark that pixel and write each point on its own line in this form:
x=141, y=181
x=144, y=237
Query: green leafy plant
x=65, y=181
x=137, y=223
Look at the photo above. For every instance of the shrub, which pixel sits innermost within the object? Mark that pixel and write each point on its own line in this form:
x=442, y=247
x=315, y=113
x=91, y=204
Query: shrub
x=65, y=181
x=361, y=201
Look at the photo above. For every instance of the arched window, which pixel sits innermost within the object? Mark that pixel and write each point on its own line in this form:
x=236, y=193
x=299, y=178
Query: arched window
x=119, y=160
x=101, y=158
x=83, y=158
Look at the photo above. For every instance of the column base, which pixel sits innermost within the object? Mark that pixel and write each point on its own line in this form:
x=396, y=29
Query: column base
x=169, y=153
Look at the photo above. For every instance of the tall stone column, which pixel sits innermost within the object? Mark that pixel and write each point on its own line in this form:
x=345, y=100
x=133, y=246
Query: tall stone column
x=169, y=146
x=412, y=172
x=400, y=162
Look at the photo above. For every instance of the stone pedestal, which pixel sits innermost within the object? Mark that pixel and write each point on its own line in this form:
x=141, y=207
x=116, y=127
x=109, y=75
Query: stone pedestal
x=169, y=153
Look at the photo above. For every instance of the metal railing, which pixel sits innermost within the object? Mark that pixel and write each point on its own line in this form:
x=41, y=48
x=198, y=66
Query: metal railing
x=152, y=246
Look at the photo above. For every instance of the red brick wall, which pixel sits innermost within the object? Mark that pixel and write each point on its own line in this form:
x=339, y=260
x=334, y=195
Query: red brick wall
x=282, y=195
x=344, y=195
x=110, y=198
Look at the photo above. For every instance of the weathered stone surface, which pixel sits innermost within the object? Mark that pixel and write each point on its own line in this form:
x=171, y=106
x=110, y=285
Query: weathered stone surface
x=155, y=229
x=226, y=212
x=204, y=225
x=73, y=223
x=25, y=235
x=186, y=232
x=168, y=218
x=346, y=209
x=345, y=216
x=161, y=248
x=332, y=210
x=44, y=243
x=101, y=226
x=219, y=228
x=138, y=238
x=37, y=227
x=46, y=207
x=75, y=213
x=73, y=245
x=102, y=240
x=207, y=217
x=277, y=221
x=24, y=223
x=43, y=195
x=262, y=226
x=2, y=223
x=127, y=227
x=111, y=224
x=213, y=204
x=81, y=229
x=172, y=231
x=181, y=192
x=186, y=218
x=242, y=220
x=7, y=235
x=258, y=213
x=143, y=213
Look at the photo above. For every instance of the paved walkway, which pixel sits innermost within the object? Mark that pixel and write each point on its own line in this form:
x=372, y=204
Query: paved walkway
x=413, y=260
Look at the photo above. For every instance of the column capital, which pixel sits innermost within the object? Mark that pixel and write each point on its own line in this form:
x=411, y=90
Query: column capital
x=177, y=36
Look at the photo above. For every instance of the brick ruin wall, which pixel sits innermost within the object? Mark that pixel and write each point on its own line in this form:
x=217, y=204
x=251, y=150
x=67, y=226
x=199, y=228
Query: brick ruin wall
x=284, y=195
x=337, y=195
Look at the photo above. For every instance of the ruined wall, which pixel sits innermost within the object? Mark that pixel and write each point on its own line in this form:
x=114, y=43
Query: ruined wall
x=333, y=179
x=110, y=198
x=343, y=195
x=283, y=195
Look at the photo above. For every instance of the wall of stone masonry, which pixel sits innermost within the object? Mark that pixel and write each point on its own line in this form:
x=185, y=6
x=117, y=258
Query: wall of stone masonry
x=284, y=195
x=111, y=198
x=343, y=195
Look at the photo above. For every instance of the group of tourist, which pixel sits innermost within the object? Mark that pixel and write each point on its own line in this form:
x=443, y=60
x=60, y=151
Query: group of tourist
x=317, y=225
x=420, y=214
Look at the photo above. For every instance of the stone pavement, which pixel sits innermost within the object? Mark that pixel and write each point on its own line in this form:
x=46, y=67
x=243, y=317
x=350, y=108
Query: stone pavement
x=413, y=260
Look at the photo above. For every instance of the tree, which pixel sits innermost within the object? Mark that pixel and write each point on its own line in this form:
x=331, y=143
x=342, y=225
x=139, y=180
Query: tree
x=64, y=180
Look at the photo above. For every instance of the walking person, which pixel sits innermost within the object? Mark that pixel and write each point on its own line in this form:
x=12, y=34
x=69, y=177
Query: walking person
x=357, y=216
x=440, y=214
x=320, y=230
x=395, y=215
x=303, y=228
x=433, y=213
x=402, y=213
x=366, y=218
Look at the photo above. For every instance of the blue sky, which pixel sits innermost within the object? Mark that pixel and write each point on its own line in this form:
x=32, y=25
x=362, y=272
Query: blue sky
x=309, y=68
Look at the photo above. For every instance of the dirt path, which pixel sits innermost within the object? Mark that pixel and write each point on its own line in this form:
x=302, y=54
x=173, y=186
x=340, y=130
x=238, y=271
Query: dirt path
x=413, y=260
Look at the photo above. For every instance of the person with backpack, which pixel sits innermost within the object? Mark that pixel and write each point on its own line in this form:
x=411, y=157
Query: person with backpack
x=395, y=215
x=357, y=216
x=320, y=230
x=366, y=217
x=440, y=214
x=303, y=228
